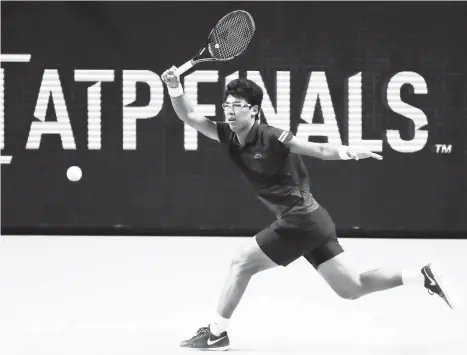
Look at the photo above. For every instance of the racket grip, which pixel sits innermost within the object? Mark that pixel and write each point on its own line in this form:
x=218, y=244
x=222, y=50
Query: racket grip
x=185, y=67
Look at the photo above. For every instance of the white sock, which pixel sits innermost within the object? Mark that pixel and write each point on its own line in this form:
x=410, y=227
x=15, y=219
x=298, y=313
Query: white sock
x=413, y=277
x=219, y=325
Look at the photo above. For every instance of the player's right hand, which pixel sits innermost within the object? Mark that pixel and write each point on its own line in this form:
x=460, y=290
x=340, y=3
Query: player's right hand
x=170, y=77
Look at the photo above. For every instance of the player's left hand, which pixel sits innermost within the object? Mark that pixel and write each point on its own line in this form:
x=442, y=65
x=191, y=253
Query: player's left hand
x=358, y=154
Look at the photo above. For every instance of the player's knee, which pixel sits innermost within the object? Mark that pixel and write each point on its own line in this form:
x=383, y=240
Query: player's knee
x=348, y=294
x=245, y=261
x=238, y=265
x=350, y=291
x=242, y=265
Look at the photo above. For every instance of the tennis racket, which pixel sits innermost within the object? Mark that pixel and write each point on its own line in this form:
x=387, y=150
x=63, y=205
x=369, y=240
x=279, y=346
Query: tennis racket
x=228, y=39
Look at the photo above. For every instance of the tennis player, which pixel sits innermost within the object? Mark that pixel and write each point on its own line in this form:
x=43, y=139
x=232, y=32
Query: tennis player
x=270, y=158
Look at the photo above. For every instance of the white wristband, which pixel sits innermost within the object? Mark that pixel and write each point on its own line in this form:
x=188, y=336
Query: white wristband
x=343, y=153
x=175, y=92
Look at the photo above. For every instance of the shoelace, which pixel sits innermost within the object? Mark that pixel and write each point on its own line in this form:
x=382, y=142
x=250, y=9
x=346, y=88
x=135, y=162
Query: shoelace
x=199, y=332
x=202, y=330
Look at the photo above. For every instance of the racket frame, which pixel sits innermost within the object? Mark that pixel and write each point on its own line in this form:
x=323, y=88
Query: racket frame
x=193, y=61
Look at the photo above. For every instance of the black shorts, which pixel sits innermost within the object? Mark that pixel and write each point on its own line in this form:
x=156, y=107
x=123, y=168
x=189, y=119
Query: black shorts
x=311, y=234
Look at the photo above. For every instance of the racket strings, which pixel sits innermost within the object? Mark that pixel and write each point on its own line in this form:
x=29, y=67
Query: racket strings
x=238, y=34
x=231, y=35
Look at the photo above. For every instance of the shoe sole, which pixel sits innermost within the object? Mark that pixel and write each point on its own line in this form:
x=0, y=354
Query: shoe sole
x=221, y=348
x=439, y=279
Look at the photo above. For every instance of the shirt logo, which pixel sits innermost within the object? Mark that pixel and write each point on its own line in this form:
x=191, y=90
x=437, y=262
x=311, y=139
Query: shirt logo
x=283, y=136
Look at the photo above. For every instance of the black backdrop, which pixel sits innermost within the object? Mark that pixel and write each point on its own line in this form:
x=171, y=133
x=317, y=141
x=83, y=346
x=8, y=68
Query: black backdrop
x=161, y=187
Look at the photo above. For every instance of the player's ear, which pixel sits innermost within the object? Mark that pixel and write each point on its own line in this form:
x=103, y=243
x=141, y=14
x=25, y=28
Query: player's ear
x=254, y=110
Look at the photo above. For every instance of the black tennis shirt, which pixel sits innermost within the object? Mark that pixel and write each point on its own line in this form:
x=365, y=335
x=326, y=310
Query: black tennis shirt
x=278, y=176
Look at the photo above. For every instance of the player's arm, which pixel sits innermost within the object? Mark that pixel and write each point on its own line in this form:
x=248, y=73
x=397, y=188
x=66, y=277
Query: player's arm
x=184, y=109
x=328, y=151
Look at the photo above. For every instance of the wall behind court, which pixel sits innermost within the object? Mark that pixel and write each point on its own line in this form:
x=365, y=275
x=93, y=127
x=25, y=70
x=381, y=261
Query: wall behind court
x=153, y=175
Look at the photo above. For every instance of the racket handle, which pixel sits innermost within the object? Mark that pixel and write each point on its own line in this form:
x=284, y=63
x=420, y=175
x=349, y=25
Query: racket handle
x=185, y=67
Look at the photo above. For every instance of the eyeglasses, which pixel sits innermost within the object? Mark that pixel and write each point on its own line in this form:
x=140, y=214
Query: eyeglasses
x=234, y=105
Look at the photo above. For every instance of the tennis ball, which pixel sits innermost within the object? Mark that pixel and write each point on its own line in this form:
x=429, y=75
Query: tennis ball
x=74, y=173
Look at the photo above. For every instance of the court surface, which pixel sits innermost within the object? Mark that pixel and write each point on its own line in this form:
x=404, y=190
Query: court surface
x=142, y=295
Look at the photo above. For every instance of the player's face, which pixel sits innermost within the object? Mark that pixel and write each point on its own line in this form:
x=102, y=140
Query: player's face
x=238, y=113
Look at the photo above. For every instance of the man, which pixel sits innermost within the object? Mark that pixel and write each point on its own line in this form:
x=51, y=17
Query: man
x=270, y=159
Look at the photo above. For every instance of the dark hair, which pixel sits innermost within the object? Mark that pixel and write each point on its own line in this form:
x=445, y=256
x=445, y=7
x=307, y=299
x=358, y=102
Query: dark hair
x=248, y=90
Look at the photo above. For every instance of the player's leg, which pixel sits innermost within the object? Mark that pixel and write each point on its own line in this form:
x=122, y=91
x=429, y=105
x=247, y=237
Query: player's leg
x=332, y=264
x=348, y=283
x=330, y=261
x=248, y=261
